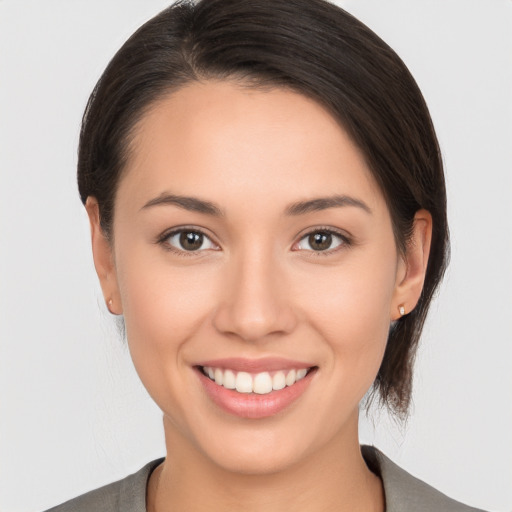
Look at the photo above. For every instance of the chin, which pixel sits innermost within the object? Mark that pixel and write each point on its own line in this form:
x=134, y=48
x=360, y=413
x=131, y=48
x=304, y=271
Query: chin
x=246, y=447
x=269, y=446
x=256, y=461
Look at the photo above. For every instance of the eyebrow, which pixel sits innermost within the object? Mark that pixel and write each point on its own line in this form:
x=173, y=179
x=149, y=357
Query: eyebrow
x=187, y=203
x=323, y=203
x=299, y=208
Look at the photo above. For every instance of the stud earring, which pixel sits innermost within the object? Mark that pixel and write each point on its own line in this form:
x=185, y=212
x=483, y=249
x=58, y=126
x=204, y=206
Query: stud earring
x=401, y=310
x=109, y=305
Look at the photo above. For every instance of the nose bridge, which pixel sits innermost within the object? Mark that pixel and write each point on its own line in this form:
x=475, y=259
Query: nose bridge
x=255, y=302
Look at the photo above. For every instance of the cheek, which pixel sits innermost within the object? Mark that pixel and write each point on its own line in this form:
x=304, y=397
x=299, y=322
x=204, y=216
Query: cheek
x=161, y=298
x=164, y=307
x=351, y=311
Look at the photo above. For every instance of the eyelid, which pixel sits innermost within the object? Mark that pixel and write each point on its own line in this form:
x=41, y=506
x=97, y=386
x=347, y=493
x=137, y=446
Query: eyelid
x=162, y=240
x=346, y=240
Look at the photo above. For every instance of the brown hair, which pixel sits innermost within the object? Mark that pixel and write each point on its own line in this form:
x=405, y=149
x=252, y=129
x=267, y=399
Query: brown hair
x=311, y=47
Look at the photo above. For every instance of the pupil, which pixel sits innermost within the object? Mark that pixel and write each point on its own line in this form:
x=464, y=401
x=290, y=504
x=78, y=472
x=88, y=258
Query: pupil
x=190, y=240
x=320, y=241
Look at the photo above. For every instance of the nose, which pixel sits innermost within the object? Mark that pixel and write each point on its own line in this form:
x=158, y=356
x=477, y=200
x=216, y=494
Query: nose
x=256, y=302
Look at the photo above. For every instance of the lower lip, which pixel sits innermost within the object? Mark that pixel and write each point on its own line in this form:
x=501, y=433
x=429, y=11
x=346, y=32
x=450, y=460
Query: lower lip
x=252, y=405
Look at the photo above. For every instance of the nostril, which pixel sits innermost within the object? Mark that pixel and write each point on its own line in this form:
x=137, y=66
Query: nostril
x=254, y=322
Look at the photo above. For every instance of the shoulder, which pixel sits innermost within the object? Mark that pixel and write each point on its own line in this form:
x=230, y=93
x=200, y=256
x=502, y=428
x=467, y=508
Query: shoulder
x=406, y=493
x=126, y=495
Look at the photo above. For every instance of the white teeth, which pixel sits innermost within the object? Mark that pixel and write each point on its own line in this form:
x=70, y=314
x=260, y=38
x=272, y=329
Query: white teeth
x=278, y=381
x=243, y=382
x=301, y=373
x=260, y=383
x=229, y=380
x=290, y=377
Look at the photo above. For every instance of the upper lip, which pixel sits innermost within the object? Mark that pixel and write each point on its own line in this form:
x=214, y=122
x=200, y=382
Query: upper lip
x=266, y=364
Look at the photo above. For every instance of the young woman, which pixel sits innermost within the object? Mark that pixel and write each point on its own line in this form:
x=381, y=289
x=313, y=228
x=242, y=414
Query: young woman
x=268, y=214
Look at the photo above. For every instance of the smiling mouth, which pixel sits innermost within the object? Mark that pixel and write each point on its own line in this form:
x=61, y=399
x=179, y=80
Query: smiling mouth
x=261, y=383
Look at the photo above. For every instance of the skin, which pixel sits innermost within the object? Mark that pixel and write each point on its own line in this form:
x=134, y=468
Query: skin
x=256, y=288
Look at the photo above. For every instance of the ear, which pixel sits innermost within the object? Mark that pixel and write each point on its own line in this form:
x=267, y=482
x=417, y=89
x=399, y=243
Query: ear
x=103, y=259
x=412, y=266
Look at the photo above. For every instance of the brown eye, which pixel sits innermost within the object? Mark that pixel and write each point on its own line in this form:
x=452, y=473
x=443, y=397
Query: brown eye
x=189, y=240
x=321, y=240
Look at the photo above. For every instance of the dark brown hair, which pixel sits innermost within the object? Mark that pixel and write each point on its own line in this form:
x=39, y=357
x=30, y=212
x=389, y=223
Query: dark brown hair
x=311, y=47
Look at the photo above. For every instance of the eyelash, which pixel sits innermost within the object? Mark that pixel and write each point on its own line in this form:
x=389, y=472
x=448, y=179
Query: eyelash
x=163, y=240
x=346, y=241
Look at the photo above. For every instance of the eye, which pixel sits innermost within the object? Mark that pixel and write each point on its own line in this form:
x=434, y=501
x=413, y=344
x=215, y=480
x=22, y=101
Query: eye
x=322, y=240
x=187, y=240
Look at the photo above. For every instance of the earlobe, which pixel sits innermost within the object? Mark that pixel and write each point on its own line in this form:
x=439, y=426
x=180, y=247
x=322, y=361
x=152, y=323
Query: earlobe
x=103, y=258
x=413, y=265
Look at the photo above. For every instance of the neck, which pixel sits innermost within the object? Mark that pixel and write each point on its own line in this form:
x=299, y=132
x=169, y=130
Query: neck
x=334, y=478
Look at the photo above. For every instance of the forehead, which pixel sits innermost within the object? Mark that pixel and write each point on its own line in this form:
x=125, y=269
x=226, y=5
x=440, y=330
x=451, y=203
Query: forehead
x=229, y=139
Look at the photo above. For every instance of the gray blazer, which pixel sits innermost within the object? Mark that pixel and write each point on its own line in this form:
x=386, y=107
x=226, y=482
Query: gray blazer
x=403, y=492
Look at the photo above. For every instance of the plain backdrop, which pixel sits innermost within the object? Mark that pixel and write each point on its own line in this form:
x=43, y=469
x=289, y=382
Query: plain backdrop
x=73, y=415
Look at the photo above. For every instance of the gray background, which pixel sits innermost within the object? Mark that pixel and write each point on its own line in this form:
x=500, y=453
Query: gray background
x=73, y=414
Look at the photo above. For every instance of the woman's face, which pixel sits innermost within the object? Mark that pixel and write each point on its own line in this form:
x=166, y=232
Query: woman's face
x=251, y=241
